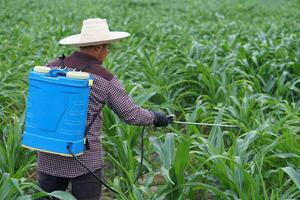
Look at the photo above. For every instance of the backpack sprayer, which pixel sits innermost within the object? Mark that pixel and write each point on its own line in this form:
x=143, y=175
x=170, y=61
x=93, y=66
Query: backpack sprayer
x=52, y=126
x=60, y=128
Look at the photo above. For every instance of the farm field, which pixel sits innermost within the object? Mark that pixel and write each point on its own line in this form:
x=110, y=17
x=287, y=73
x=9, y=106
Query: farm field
x=233, y=62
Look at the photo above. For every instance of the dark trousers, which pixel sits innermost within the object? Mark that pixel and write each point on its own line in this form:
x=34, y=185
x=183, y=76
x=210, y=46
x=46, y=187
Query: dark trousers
x=84, y=187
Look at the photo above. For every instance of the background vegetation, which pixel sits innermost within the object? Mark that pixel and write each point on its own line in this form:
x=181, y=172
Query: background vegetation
x=231, y=61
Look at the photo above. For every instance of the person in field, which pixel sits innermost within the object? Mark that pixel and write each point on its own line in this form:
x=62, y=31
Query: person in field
x=55, y=171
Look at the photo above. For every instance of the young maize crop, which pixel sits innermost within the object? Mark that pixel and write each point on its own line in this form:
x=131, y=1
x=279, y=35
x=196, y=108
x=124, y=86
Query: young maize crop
x=223, y=62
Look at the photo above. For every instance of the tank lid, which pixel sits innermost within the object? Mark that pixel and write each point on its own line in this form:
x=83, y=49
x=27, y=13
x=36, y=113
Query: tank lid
x=78, y=75
x=41, y=69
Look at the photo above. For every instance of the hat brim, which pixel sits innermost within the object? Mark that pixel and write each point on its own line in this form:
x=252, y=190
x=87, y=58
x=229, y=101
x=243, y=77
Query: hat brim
x=74, y=40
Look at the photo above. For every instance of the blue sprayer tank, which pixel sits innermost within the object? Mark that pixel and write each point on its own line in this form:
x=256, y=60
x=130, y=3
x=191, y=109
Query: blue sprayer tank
x=56, y=112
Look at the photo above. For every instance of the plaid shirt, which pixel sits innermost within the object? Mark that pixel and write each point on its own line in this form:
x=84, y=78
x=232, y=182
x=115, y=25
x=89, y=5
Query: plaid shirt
x=106, y=90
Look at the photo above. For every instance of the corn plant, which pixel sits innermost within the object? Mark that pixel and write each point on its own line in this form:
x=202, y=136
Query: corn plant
x=232, y=62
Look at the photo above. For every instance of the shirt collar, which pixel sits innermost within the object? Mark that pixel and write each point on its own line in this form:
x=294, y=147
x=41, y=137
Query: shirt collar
x=87, y=58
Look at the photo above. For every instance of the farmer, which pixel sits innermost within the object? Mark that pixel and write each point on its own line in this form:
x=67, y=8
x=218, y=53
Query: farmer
x=55, y=171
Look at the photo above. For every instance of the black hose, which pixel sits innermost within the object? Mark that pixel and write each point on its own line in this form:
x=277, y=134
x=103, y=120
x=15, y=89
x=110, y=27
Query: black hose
x=142, y=156
x=141, y=162
x=102, y=182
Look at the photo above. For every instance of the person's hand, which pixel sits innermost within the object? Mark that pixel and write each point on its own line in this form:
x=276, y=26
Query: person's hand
x=161, y=120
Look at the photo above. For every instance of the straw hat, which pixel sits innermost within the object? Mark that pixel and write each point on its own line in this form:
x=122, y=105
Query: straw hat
x=93, y=32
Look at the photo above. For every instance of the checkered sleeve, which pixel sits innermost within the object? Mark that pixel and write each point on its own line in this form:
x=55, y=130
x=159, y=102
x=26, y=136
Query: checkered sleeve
x=122, y=104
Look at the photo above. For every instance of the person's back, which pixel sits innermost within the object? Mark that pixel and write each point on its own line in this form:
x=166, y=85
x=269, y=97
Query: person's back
x=57, y=171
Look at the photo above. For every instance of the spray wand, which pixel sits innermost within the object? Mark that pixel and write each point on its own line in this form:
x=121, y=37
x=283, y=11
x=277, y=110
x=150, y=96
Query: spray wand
x=172, y=121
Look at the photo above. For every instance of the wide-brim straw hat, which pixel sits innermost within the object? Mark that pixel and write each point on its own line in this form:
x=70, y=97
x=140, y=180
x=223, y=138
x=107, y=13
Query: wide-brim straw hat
x=94, y=32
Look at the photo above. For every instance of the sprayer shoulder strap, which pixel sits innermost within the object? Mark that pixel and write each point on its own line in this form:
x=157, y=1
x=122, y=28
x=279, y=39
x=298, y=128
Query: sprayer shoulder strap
x=84, y=67
x=89, y=126
x=62, y=60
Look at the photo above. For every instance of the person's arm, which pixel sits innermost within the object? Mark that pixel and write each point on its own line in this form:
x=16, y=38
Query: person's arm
x=122, y=104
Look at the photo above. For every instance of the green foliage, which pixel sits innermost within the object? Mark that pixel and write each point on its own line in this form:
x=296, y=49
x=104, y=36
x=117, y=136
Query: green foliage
x=232, y=61
x=22, y=189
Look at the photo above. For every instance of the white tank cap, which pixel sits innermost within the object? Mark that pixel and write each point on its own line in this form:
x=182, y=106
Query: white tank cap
x=77, y=75
x=41, y=69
